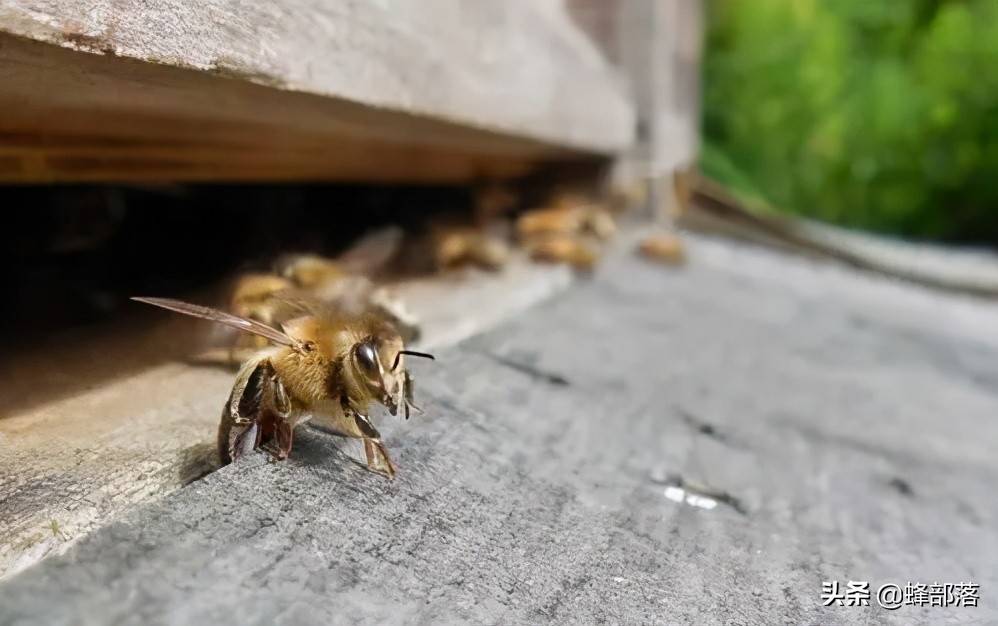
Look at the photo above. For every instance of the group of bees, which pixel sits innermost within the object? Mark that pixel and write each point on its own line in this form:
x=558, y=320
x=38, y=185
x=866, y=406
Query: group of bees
x=570, y=227
x=319, y=339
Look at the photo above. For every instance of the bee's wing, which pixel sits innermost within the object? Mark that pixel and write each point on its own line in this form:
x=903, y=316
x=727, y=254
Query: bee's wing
x=214, y=315
x=372, y=251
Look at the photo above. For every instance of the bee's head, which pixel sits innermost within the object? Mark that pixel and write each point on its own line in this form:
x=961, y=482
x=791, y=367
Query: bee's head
x=369, y=364
x=382, y=369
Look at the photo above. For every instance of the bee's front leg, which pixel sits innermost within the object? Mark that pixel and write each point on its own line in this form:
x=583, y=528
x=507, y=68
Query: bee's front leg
x=407, y=399
x=378, y=460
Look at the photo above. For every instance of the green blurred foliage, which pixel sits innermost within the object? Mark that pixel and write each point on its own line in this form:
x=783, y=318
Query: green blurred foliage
x=875, y=114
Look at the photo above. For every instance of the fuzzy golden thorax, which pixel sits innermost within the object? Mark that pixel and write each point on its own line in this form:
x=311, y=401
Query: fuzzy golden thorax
x=351, y=360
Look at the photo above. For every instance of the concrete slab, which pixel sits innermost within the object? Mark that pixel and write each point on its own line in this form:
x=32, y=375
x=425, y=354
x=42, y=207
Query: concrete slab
x=828, y=426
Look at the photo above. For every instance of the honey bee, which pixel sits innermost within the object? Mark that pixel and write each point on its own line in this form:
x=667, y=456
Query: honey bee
x=566, y=230
x=457, y=246
x=564, y=249
x=344, y=282
x=492, y=201
x=251, y=292
x=567, y=215
x=664, y=248
x=252, y=297
x=340, y=283
x=599, y=222
x=365, y=257
x=324, y=364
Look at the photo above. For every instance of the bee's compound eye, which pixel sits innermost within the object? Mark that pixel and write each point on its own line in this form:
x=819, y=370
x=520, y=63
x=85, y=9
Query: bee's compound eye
x=367, y=358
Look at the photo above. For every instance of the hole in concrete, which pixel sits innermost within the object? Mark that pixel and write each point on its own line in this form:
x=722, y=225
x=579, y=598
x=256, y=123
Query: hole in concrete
x=704, y=428
x=902, y=487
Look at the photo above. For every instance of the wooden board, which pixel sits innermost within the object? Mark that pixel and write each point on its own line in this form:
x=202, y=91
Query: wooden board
x=183, y=90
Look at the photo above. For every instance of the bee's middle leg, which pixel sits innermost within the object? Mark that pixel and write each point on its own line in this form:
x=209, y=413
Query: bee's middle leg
x=238, y=440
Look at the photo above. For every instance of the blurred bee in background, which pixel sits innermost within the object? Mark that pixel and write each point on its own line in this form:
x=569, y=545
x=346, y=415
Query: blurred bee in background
x=451, y=242
x=479, y=239
x=568, y=214
x=252, y=292
x=568, y=229
x=564, y=249
x=342, y=284
x=458, y=245
x=323, y=364
x=663, y=247
x=494, y=201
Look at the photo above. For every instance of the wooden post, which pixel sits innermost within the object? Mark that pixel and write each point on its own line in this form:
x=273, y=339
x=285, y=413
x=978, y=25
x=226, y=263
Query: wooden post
x=660, y=52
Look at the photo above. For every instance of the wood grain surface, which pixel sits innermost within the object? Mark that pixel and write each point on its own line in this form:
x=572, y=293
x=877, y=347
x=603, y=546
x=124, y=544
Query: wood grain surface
x=339, y=90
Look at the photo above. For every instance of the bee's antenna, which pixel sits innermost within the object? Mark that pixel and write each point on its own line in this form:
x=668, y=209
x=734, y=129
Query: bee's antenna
x=424, y=355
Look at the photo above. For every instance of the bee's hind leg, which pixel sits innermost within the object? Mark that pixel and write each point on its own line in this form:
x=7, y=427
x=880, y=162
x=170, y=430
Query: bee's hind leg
x=279, y=446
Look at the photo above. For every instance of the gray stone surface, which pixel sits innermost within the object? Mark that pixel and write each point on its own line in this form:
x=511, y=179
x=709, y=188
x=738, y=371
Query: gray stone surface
x=851, y=421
